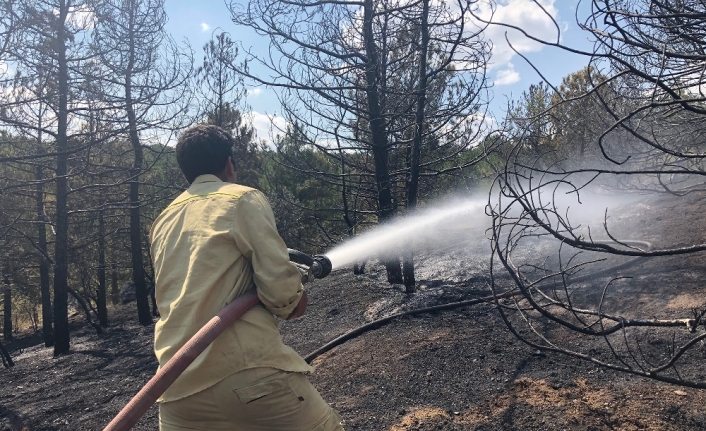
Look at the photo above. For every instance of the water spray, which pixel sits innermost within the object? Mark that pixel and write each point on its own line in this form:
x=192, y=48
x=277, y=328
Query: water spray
x=443, y=224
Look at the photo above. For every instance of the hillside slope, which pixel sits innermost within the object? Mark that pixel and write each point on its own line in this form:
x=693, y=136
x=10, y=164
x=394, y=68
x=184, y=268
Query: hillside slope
x=455, y=370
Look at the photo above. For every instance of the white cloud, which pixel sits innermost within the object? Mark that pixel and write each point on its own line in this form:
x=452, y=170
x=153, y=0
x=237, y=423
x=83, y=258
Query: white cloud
x=524, y=14
x=475, y=126
x=694, y=82
x=5, y=69
x=255, y=91
x=80, y=17
x=205, y=27
x=507, y=76
x=267, y=126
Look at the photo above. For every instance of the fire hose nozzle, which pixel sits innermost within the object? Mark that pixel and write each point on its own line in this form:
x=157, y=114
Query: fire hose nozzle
x=319, y=264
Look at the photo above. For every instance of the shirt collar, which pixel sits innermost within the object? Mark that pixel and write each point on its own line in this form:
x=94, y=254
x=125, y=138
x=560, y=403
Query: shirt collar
x=206, y=178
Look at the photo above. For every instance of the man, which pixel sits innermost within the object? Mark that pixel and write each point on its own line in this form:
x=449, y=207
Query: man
x=215, y=242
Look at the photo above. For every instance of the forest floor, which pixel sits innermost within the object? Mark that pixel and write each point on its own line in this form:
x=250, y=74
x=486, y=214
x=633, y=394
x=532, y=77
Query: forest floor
x=452, y=370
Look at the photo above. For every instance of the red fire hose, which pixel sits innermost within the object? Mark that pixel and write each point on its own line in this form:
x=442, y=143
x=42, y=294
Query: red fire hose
x=166, y=375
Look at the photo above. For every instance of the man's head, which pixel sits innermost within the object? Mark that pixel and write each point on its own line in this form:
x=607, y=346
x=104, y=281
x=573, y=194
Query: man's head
x=206, y=149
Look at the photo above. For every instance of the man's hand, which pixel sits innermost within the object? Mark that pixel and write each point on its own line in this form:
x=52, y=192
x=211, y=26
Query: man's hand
x=307, y=276
x=300, y=309
x=305, y=271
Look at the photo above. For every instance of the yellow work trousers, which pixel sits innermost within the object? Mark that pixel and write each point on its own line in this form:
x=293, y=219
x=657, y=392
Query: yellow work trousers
x=258, y=399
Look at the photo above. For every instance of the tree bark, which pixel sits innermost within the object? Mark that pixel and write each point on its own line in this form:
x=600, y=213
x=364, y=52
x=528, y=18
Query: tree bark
x=408, y=268
x=114, y=292
x=61, y=245
x=47, y=318
x=101, y=297
x=6, y=358
x=86, y=310
x=413, y=185
x=7, y=310
x=138, y=270
x=378, y=133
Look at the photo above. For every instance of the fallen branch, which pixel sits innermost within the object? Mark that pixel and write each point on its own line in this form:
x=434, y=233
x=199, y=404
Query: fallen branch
x=385, y=320
x=81, y=301
x=6, y=359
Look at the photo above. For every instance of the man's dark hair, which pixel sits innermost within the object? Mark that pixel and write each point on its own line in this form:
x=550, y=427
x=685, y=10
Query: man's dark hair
x=203, y=149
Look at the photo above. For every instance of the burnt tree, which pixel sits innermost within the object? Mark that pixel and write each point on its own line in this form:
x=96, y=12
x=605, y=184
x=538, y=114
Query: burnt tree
x=47, y=54
x=150, y=92
x=635, y=118
x=355, y=80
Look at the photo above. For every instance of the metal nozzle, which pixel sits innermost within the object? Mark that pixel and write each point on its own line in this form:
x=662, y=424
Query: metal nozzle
x=320, y=265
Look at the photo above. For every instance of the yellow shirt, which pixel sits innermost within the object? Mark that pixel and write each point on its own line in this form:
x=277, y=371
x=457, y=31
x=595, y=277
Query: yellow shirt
x=215, y=242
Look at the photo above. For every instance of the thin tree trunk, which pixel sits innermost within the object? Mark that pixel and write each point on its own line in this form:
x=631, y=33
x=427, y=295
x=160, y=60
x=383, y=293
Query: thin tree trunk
x=61, y=245
x=378, y=134
x=114, y=292
x=102, y=306
x=344, y=190
x=7, y=310
x=44, y=282
x=6, y=359
x=138, y=270
x=86, y=310
x=413, y=185
x=153, y=298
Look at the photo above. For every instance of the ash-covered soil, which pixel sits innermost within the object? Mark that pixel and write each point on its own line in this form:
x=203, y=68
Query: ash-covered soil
x=457, y=370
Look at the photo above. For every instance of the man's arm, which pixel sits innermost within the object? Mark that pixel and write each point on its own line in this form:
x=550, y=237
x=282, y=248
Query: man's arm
x=278, y=281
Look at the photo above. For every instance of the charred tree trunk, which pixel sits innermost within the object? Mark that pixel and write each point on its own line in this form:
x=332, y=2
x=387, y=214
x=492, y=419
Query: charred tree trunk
x=101, y=300
x=114, y=292
x=153, y=297
x=138, y=270
x=413, y=185
x=378, y=133
x=7, y=310
x=86, y=311
x=359, y=269
x=61, y=245
x=6, y=359
x=47, y=318
x=44, y=263
x=344, y=194
x=155, y=309
x=408, y=267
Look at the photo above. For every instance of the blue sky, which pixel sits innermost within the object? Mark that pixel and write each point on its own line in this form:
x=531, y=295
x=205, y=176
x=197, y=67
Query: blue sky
x=196, y=21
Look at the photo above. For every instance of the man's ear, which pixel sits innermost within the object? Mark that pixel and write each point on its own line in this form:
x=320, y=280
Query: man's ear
x=229, y=171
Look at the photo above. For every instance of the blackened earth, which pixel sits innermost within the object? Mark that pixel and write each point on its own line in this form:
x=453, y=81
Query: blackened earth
x=451, y=370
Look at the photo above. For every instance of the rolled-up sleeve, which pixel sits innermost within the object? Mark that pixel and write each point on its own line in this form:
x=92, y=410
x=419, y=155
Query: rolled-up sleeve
x=278, y=281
